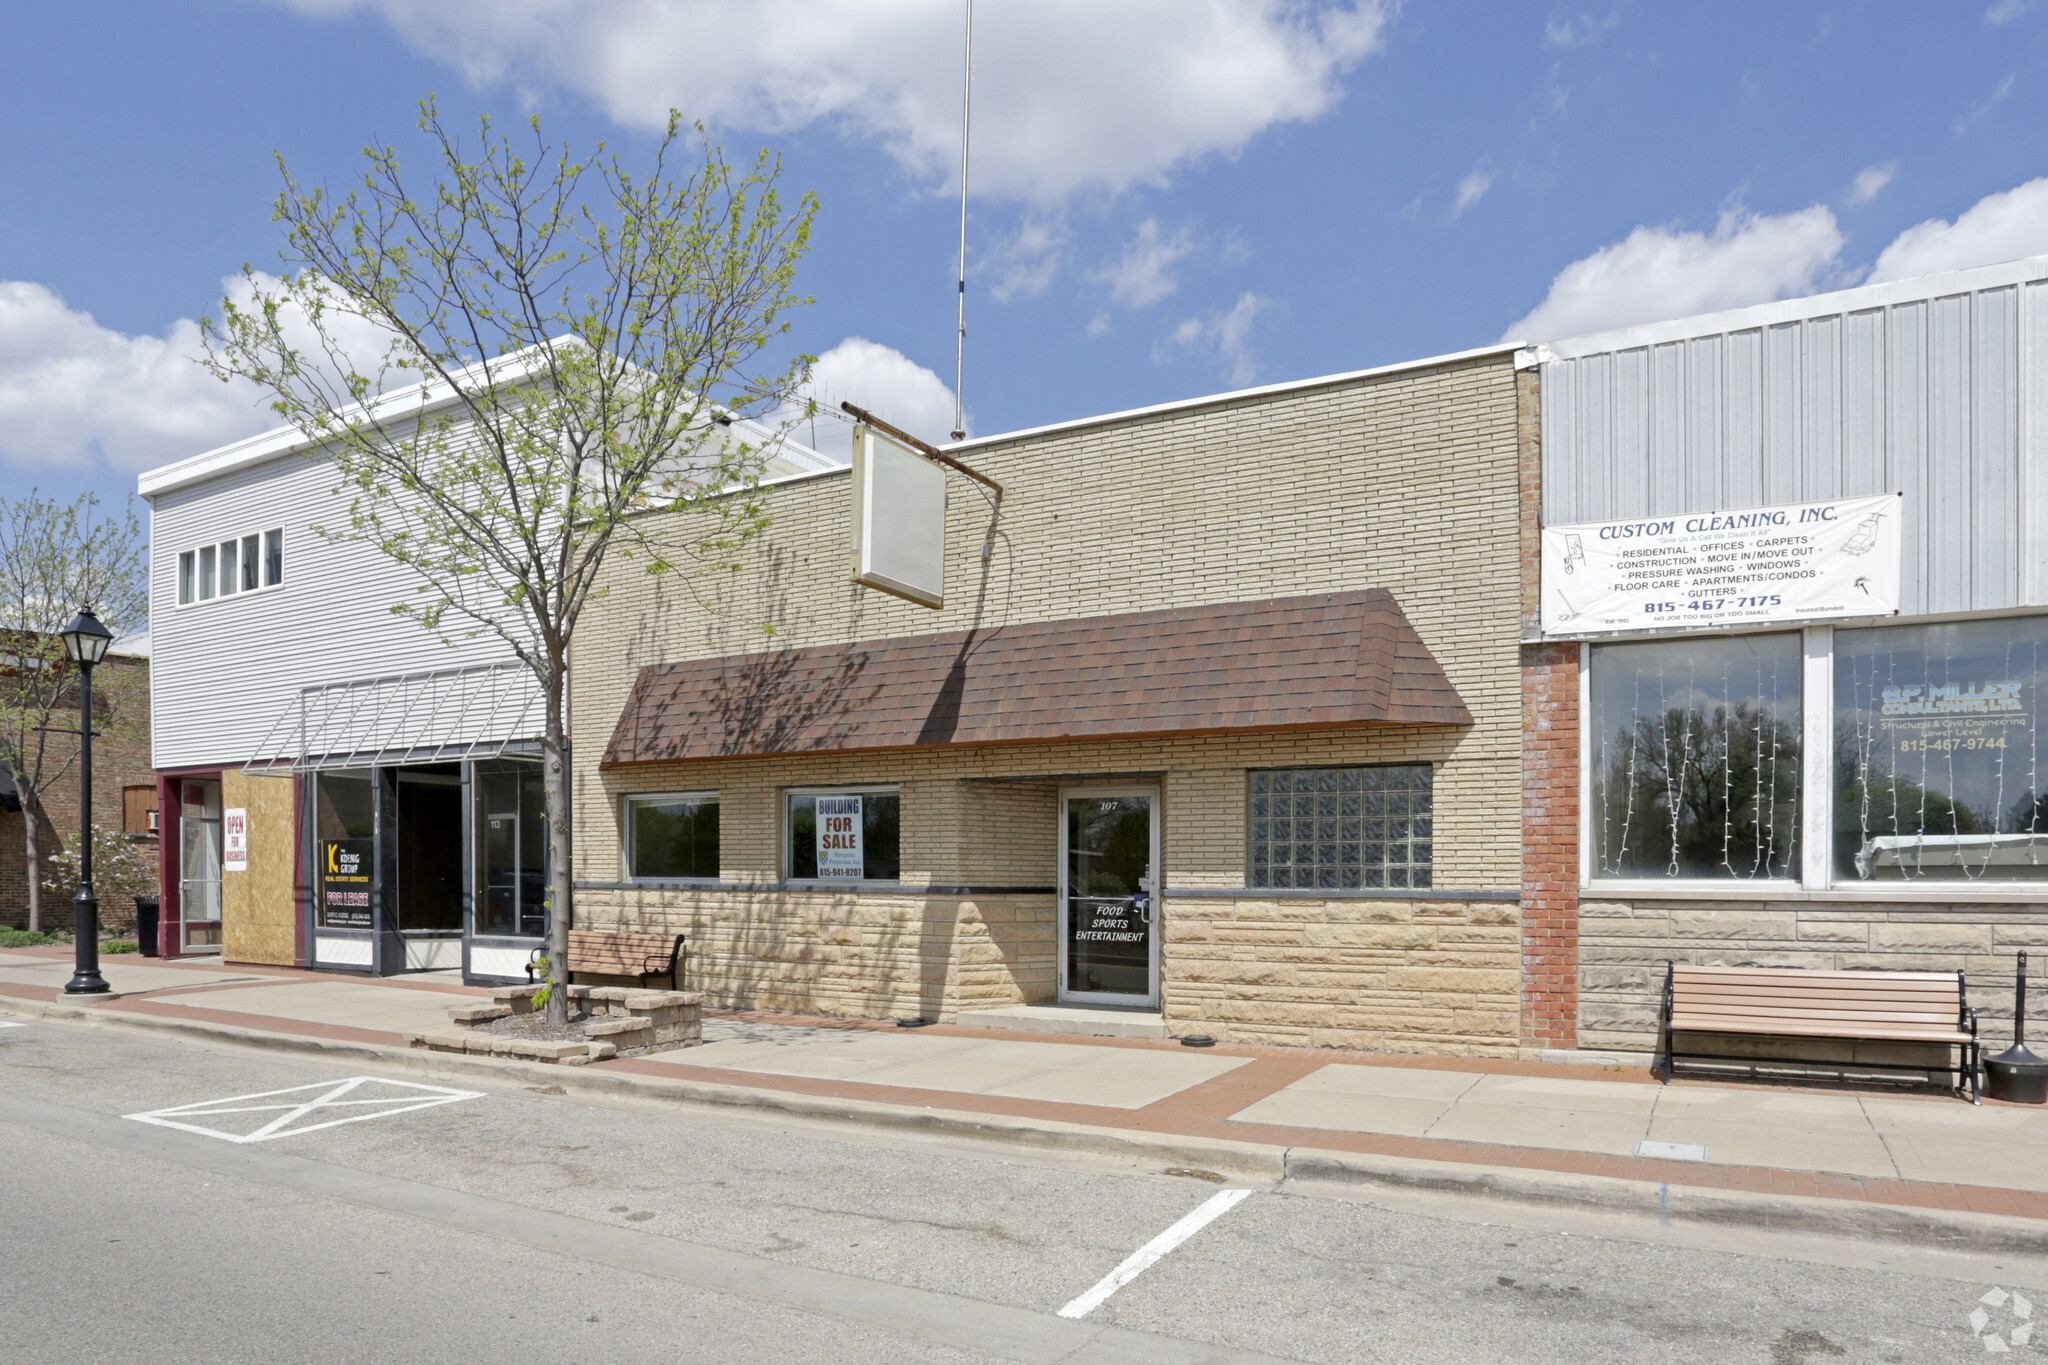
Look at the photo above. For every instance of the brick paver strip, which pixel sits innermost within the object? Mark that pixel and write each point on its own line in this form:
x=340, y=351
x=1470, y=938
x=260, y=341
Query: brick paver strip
x=1201, y=1110
x=138, y=1004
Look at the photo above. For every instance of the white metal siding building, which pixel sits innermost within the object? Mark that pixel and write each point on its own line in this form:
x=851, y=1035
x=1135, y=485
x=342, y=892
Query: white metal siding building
x=409, y=834
x=1931, y=387
x=1839, y=791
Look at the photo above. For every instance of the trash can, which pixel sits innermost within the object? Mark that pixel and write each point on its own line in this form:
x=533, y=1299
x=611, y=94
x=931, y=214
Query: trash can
x=145, y=925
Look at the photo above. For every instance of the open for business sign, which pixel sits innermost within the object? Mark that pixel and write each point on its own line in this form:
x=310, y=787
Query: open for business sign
x=1801, y=562
x=234, y=840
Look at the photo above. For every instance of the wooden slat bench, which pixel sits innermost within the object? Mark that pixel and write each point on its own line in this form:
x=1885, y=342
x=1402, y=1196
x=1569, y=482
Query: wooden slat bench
x=1786, y=1002
x=643, y=956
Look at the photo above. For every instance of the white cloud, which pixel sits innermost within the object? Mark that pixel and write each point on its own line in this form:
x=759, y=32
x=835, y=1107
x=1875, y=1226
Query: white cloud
x=1998, y=227
x=881, y=379
x=1472, y=189
x=73, y=392
x=1069, y=94
x=1870, y=182
x=1026, y=261
x=1143, y=274
x=1225, y=338
x=1579, y=30
x=1984, y=106
x=1664, y=272
x=2005, y=11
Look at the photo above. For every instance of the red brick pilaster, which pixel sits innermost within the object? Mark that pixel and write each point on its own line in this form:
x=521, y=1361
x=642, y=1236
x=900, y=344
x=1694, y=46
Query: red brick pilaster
x=1550, y=845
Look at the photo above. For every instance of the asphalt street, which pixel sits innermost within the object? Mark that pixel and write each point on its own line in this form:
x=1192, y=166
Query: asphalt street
x=385, y=1222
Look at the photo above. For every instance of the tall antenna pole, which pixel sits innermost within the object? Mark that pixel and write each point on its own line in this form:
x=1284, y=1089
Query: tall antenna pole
x=966, y=122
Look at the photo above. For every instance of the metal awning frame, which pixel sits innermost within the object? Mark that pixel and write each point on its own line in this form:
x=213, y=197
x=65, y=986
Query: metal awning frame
x=402, y=718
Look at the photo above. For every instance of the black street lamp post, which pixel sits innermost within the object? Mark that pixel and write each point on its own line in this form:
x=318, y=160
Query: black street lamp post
x=85, y=644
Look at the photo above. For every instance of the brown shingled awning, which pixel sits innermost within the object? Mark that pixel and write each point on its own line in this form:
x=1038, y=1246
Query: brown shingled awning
x=1290, y=663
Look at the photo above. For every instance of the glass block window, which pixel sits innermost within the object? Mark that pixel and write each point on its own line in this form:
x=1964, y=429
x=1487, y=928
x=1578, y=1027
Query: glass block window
x=1340, y=828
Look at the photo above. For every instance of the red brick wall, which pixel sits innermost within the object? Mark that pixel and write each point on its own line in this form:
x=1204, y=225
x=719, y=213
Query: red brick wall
x=120, y=759
x=1550, y=845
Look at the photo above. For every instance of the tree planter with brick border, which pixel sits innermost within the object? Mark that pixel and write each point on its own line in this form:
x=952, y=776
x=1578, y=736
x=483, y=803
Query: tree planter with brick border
x=605, y=1021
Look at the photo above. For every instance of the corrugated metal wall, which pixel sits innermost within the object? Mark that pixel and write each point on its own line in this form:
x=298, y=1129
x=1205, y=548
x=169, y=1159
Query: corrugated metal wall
x=223, y=672
x=1930, y=387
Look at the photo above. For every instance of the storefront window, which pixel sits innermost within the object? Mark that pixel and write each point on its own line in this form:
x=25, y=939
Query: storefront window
x=344, y=829
x=1341, y=827
x=843, y=835
x=1938, y=753
x=672, y=836
x=1696, y=758
x=512, y=849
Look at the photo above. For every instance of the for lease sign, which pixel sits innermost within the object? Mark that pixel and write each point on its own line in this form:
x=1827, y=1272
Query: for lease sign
x=839, y=828
x=1800, y=562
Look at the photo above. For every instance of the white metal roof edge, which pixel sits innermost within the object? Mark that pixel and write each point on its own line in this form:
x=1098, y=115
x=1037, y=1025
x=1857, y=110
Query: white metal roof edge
x=279, y=442
x=779, y=444
x=804, y=475
x=1211, y=400
x=289, y=440
x=1862, y=297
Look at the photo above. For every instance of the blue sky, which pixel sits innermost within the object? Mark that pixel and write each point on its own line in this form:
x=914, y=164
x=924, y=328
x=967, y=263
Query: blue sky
x=1172, y=197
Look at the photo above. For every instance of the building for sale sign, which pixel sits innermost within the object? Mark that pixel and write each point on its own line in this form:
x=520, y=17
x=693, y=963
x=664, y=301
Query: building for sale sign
x=839, y=831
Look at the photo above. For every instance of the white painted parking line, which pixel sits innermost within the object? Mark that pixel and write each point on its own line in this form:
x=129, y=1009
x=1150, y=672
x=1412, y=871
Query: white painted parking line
x=6, y=1024
x=1142, y=1259
x=301, y=1102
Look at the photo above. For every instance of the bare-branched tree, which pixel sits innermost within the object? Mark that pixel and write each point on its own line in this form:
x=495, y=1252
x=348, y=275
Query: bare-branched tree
x=509, y=365
x=55, y=558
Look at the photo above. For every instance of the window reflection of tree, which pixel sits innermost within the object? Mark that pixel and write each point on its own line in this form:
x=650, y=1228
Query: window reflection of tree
x=1704, y=794
x=1696, y=768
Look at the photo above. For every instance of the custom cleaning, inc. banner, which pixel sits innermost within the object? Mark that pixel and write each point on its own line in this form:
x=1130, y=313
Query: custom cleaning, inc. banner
x=1804, y=561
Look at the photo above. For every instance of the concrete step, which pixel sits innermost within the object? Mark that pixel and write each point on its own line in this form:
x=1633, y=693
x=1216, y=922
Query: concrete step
x=1090, y=1021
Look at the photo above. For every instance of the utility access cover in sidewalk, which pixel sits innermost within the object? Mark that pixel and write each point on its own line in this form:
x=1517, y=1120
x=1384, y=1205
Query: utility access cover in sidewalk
x=303, y=1108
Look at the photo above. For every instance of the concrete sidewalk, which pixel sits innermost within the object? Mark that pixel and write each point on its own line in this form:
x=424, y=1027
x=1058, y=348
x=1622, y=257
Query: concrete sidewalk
x=1506, y=1126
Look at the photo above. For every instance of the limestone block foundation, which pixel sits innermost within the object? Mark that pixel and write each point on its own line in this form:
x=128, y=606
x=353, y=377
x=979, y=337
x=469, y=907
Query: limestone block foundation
x=1623, y=946
x=1387, y=975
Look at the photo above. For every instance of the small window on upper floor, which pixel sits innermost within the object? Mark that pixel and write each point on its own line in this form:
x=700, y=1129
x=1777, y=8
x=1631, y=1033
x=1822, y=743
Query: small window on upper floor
x=230, y=567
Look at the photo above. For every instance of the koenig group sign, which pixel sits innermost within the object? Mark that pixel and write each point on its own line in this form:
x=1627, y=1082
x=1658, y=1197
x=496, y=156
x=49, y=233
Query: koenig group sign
x=1805, y=561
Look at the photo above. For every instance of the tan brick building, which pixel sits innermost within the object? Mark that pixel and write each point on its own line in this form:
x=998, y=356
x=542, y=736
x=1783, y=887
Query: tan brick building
x=1122, y=844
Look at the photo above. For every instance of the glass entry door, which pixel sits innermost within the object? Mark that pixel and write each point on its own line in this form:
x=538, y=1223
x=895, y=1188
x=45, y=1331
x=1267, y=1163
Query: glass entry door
x=199, y=853
x=512, y=851
x=1109, y=915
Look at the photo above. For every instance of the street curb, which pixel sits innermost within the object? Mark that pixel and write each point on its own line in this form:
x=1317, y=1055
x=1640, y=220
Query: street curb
x=1245, y=1162
x=1954, y=1230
